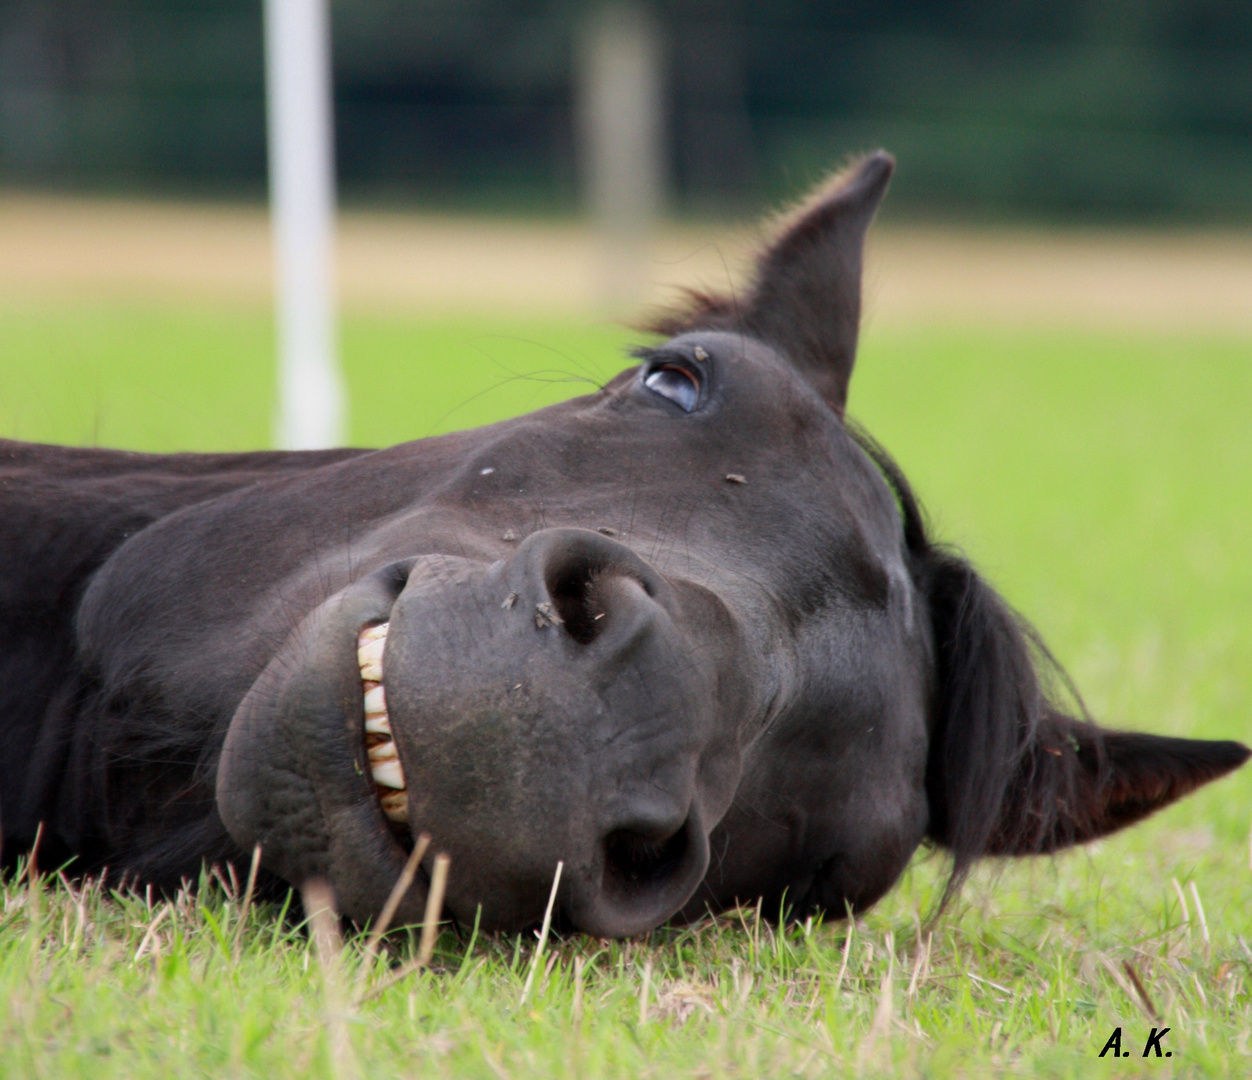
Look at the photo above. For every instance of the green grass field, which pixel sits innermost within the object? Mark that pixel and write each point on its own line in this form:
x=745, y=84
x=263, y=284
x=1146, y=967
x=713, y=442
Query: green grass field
x=1103, y=480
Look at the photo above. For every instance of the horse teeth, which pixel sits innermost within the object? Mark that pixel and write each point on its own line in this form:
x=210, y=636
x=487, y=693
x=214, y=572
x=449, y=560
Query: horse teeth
x=372, y=633
x=383, y=758
x=388, y=773
x=395, y=805
x=384, y=751
x=370, y=658
x=375, y=701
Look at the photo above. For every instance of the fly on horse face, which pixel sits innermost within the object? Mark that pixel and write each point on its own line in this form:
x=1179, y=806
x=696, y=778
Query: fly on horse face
x=687, y=635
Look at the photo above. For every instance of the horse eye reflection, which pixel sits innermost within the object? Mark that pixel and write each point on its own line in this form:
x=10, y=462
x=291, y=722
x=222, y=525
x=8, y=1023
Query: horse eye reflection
x=677, y=384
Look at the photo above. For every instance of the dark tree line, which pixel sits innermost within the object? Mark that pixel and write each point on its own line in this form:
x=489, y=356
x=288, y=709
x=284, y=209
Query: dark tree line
x=1062, y=108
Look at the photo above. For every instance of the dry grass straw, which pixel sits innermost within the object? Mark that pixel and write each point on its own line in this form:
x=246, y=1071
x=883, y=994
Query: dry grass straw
x=430, y=928
x=434, y=907
x=150, y=935
x=323, y=917
x=1199, y=910
x=920, y=965
x=403, y=883
x=1133, y=989
x=1145, y=998
x=847, y=951
x=880, y=1026
x=645, y=988
x=543, y=936
x=245, y=906
x=576, y=1007
x=34, y=889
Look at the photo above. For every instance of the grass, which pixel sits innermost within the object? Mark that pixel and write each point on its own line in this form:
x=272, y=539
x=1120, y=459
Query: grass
x=190, y=378
x=1100, y=479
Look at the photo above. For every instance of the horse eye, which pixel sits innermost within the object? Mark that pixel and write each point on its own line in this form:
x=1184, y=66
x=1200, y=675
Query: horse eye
x=676, y=383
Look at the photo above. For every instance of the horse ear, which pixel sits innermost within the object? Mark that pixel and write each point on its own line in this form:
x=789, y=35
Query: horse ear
x=805, y=294
x=1009, y=773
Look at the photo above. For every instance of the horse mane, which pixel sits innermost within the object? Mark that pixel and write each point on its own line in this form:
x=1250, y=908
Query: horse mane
x=994, y=704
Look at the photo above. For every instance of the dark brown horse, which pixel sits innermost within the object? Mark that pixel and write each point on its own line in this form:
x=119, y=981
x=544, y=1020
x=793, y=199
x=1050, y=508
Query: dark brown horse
x=687, y=635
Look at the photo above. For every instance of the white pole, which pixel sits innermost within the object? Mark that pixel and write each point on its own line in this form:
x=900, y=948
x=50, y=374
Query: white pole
x=302, y=208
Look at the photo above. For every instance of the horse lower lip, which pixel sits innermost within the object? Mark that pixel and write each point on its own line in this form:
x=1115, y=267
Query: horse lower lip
x=384, y=760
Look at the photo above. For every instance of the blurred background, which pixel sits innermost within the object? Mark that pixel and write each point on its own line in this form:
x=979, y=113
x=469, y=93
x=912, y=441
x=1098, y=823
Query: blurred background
x=1058, y=341
x=1104, y=110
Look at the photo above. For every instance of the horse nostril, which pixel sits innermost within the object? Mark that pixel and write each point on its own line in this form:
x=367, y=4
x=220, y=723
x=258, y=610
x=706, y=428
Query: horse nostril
x=586, y=594
x=592, y=583
x=651, y=863
x=576, y=595
x=638, y=862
